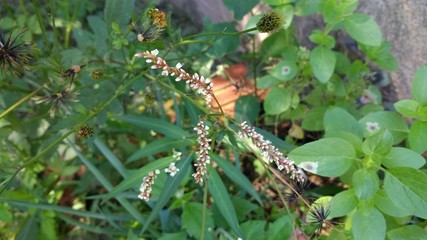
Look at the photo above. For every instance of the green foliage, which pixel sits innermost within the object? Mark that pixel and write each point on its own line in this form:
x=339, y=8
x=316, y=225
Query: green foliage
x=91, y=124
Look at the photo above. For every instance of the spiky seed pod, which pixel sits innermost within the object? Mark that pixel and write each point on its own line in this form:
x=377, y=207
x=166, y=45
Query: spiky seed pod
x=13, y=54
x=270, y=22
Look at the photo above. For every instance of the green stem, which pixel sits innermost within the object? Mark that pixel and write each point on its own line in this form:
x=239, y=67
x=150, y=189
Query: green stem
x=39, y=19
x=19, y=102
x=220, y=33
x=204, y=212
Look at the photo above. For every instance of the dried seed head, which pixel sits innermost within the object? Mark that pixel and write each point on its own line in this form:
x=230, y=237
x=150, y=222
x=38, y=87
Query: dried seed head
x=270, y=22
x=85, y=131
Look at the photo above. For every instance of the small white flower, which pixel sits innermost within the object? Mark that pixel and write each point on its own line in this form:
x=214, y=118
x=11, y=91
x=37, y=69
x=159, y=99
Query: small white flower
x=372, y=126
x=171, y=169
x=154, y=52
x=178, y=65
x=140, y=37
x=164, y=73
x=176, y=155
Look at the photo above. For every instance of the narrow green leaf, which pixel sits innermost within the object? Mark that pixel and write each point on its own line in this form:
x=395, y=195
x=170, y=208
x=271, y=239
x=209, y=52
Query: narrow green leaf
x=407, y=188
x=111, y=157
x=60, y=209
x=168, y=190
x=322, y=62
x=104, y=181
x=136, y=178
x=90, y=227
x=419, y=86
x=368, y=225
x=29, y=229
x=223, y=201
x=324, y=157
x=363, y=29
x=237, y=176
x=164, y=127
x=277, y=142
x=157, y=146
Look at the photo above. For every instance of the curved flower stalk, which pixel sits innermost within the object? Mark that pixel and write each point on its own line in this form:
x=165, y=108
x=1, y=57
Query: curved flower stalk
x=270, y=152
x=200, y=84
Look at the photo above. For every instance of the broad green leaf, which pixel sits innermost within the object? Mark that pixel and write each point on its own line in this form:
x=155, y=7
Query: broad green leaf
x=192, y=219
x=253, y=229
x=237, y=176
x=277, y=101
x=246, y=109
x=403, y=157
x=407, y=188
x=338, y=119
x=350, y=137
x=268, y=81
x=330, y=157
x=342, y=203
x=222, y=200
x=417, y=137
x=287, y=11
x=157, y=146
x=280, y=229
x=285, y=70
x=320, y=38
x=367, y=225
x=391, y=121
x=115, y=162
x=118, y=11
x=322, y=62
x=240, y=7
x=274, y=46
x=363, y=29
x=366, y=183
x=313, y=120
x=408, y=232
x=164, y=127
x=343, y=63
x=378, y=145
x=136, y=178
x=381, y=55
x=407, y=107
x=385, y=205
x=243, y=207
x=306, y=7
x=419, y=86
x=168, y=190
